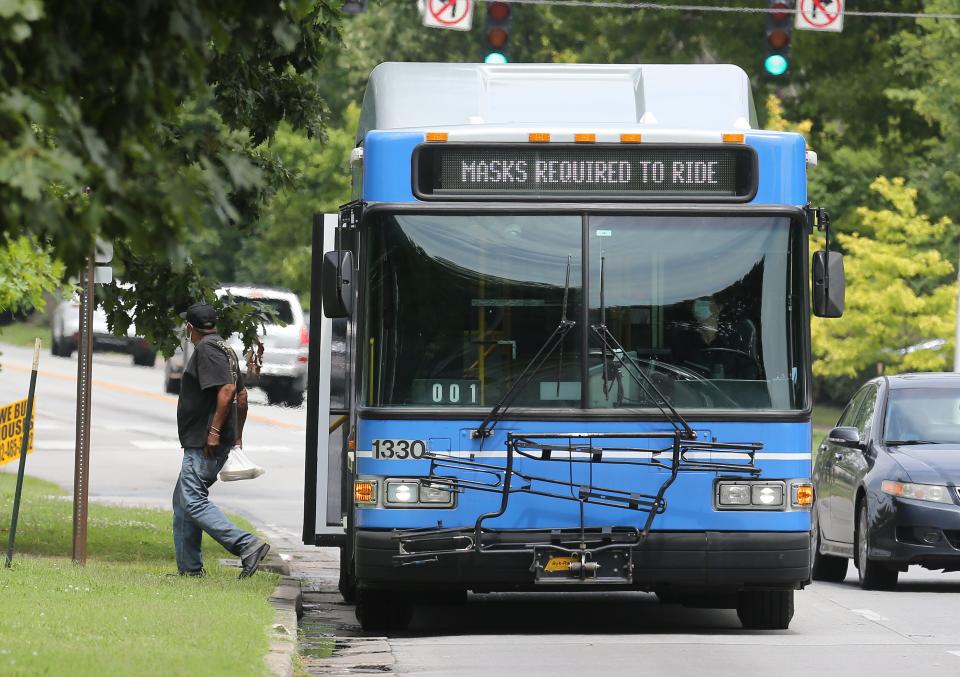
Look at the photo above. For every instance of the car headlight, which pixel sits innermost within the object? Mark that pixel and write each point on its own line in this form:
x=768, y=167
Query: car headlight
x=919, y=492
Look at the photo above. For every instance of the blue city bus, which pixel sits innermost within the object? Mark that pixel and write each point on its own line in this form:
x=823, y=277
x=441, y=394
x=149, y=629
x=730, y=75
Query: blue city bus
x=568, y=345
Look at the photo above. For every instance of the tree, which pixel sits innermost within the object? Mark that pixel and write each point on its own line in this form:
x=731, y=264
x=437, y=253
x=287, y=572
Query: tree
x=27, y=270
x=136, y=121
x=900, y=292
x=280, y=255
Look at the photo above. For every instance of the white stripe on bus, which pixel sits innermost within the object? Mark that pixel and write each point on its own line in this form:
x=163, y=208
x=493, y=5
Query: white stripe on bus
x=644, y=455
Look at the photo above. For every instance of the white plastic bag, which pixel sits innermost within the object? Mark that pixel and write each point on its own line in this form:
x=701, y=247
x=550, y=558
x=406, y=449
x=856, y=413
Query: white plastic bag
x=239, y=467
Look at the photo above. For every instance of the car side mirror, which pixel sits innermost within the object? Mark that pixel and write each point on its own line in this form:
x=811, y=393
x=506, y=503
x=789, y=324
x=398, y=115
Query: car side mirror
x=829, y=286
x=337, y=284
x=845, y=436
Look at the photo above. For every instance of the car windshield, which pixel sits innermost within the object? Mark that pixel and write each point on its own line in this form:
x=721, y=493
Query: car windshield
x=708, y=307
x=280, y=307
x=923, y=415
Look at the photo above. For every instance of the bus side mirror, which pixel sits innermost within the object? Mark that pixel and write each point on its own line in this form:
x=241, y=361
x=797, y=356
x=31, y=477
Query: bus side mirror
x=829, y=287
x=337, y=284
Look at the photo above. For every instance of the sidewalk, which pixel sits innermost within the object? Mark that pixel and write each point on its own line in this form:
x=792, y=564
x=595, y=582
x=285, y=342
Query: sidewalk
x=331, y=642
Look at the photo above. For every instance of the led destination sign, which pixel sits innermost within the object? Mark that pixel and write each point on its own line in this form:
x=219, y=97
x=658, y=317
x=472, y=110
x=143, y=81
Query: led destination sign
x=726, y=173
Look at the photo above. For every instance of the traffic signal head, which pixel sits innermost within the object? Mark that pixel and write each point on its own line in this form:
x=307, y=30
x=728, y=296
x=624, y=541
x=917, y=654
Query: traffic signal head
x=496, y=34
x=777, y=37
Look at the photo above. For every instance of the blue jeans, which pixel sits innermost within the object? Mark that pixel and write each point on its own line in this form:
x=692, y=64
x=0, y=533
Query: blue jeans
x=193, y=513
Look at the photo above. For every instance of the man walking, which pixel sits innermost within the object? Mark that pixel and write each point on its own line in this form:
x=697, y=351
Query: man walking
x=210, y=416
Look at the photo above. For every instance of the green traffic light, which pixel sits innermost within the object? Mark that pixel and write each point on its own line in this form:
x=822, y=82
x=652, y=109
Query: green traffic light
x=494, y=57
x=776, y=64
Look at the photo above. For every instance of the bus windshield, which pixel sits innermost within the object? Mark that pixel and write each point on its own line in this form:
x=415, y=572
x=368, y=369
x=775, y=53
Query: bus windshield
x=709, y=308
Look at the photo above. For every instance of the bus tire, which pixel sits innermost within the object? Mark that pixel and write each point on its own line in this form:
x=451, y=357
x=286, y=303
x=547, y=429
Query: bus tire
x=765, y=609
x=383, y=611
x=347, y=585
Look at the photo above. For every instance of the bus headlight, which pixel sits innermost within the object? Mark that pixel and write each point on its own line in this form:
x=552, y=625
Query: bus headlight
x=769, y=495
x=762, y=495
x=434, y=493
x=415, y=492
x=403, y=492
x=734, y=494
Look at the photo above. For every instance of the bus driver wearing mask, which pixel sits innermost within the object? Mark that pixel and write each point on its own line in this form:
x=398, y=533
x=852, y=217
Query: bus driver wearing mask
x=718, y=345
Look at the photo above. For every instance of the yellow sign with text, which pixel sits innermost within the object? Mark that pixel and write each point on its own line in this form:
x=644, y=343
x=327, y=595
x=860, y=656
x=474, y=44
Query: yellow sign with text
x=12, y=428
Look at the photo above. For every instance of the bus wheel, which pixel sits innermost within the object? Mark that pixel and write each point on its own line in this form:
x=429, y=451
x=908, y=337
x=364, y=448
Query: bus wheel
x=383, y=611
x=765, y=609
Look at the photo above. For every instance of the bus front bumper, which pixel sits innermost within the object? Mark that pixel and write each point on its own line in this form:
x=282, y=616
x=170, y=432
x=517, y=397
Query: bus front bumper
x=713, y=560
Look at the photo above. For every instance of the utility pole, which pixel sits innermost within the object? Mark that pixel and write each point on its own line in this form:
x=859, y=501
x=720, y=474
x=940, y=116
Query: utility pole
x=81, y=468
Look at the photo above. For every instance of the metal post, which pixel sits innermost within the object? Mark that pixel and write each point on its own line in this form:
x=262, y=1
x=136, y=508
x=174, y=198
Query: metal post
x=24, y=445
x=81, y=469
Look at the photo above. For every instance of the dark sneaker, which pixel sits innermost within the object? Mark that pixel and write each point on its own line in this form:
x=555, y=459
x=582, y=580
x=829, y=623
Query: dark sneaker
x=191, y=574
x=251, y=562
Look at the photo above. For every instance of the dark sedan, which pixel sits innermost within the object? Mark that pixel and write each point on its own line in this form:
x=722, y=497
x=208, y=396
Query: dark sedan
x=886, y=481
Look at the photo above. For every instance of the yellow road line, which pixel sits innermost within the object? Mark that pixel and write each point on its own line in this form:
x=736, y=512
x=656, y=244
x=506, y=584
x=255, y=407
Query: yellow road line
x=117, y=387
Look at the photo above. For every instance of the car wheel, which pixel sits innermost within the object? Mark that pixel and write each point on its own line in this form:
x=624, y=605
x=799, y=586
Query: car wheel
x=765, y=609
x=294, y=398
x=275, y=394
x=873, y=575
x=383, y=611
x=172, y=386
x=825, y=567
x=145, y=358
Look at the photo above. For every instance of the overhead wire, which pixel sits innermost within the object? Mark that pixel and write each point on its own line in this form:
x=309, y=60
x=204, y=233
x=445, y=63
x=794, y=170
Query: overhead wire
x=664, y=7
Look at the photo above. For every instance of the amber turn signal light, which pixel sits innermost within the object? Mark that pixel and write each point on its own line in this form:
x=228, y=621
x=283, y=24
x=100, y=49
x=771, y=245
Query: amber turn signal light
x=364, y=491
x=803, y=495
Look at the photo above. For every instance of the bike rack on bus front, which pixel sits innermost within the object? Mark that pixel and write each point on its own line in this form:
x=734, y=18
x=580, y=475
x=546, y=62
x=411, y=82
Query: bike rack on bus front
x=614, y=552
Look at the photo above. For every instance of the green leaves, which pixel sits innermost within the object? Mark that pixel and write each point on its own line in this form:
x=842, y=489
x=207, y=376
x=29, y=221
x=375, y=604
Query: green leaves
x=141, y=122
x=27, y=272
x=900, y=291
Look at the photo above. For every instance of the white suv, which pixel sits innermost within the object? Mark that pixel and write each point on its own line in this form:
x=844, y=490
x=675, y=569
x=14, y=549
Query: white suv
x=283, y=376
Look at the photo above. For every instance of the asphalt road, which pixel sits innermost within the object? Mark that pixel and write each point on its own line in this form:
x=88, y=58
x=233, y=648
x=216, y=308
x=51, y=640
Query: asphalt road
x=838, y=628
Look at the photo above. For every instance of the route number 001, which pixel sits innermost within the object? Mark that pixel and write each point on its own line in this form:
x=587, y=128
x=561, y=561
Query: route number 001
x=451, y=393
x=399, y=449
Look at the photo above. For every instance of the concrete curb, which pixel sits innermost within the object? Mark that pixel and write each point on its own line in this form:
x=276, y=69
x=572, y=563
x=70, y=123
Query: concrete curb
x=287, y=603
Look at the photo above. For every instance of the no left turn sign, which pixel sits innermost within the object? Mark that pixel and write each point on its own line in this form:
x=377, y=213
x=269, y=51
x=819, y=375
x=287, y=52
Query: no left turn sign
x=820, y=15
x=454, y=14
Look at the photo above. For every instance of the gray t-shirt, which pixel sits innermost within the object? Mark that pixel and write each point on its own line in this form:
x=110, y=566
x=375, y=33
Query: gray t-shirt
x=212, y=365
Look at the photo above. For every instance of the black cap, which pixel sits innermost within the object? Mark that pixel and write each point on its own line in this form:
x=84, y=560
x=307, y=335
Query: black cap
x=201, y=315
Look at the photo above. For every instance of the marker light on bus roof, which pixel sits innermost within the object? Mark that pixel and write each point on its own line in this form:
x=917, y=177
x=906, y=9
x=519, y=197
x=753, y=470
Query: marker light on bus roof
x=629, y=138
x=585, y=138
x=734, y=138
x=539, y=137
x=437, y=136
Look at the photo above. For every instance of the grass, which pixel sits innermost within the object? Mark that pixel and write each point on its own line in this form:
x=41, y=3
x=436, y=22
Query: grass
x=122, y=613
x=23, y=334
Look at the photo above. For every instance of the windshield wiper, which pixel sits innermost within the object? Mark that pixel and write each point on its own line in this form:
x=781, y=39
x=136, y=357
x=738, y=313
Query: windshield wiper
x=632, y=368
x=901, y=443
x=546, y=350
